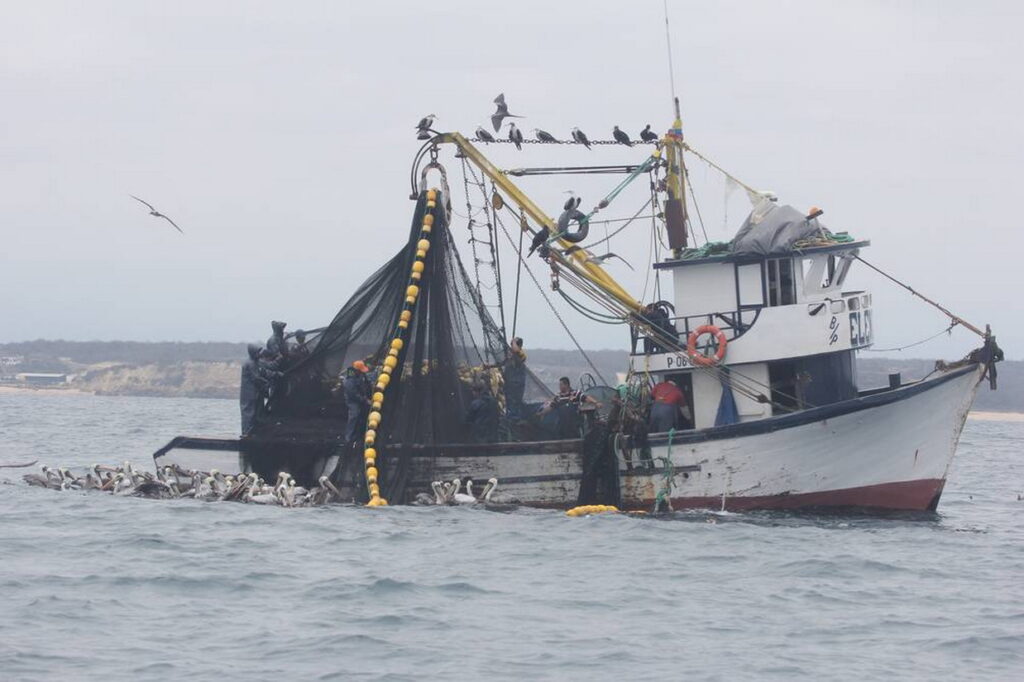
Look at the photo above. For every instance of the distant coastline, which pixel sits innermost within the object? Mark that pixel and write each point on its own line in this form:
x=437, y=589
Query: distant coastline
x=213, y=369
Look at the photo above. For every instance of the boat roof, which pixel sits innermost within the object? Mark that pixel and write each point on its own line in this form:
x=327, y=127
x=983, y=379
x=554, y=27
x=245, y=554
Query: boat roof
x=729, y=257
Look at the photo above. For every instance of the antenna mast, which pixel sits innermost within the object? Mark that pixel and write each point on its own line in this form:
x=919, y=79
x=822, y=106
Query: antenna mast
x=675, y=206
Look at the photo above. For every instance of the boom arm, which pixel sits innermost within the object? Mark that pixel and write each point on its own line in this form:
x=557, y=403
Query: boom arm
x=575, y=259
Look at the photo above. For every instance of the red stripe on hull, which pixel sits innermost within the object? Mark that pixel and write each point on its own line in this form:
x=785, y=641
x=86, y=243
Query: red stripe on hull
x=920, y=495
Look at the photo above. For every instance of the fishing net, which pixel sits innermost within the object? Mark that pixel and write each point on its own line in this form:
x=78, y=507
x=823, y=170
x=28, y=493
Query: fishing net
x=452, y=346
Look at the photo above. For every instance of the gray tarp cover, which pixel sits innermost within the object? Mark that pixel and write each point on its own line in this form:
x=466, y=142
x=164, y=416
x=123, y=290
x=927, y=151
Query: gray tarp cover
x=776, y=232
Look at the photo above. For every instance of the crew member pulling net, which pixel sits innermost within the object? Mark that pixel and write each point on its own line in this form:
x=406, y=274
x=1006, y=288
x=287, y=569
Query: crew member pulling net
x=451, y=347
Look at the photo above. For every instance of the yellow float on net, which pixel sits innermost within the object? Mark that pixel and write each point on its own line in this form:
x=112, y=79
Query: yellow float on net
x=407, y=314
x=412, y=290
x=374, y=490
x=377, y=404
x=383, y=380
x=397, y=344
x=377, y=502
x=415, y=276
x=588, y=509
x=428, y=219
x=393, y=352
x=423, y=245
x=371, y=472
x=416, y=267
x=370, y=453
x=386, y=371
x=410, y=300
x=421, y=254
x=431, y=195
x=390, y=361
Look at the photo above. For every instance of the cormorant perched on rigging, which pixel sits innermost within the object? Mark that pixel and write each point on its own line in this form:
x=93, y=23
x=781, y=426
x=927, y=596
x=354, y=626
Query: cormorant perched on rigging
x=580, y=137
x=538, y=240
x=482, y=134
x=515, y=135
x=647, y=135
x=502, y=113
x=543, y=135
x=423, y=127
x=621, y=137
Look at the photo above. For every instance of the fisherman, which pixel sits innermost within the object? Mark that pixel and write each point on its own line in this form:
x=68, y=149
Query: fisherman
x=276, y=344
x=565, y=407
x=515, y=378
x=255, y=385
x=658, y=318
x=668, y=409
x=357, y=400
x=298, y=351
x=482, y=416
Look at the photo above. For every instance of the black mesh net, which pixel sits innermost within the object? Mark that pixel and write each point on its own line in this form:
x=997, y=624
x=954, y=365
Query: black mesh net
x=453, y=353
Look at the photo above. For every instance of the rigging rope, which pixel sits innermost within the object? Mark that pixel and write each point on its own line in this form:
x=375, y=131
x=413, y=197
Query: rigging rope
x=947, y=330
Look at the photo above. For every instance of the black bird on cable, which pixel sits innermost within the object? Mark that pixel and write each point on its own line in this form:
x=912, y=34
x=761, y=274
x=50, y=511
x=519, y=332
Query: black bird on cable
x=157, y=214
x=482, y=134
x=621, y=137
x=515, y=135
x=647, y=135
x=538, y=240
x=543, y=135
x=423, y=127
x=580, y=137
x=502, y=113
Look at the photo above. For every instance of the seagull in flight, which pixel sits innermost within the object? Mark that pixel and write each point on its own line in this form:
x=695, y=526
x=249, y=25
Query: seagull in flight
x=502, y=113
x=157, y=214
x=599, y=260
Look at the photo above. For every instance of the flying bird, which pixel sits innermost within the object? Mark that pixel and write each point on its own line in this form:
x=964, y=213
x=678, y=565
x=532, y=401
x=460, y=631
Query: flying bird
x=647, y=135
x=482, y=134
x=621, y=137
x=423, y=127
x=599, y=260
x=515, y=135
x=157, y=214
x=543, y=135
x=502, y=113
x=579, y=136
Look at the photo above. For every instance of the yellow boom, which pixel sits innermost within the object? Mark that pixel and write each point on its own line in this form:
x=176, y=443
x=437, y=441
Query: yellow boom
x=575, y=259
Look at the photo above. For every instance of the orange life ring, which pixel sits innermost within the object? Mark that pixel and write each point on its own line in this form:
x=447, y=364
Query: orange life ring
x=700, y=358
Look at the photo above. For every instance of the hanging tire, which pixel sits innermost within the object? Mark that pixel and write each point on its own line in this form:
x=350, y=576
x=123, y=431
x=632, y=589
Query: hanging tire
x=569, y=217
x=699, y=358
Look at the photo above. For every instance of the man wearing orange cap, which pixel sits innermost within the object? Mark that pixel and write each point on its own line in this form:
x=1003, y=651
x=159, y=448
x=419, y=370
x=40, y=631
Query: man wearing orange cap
x=357, y=400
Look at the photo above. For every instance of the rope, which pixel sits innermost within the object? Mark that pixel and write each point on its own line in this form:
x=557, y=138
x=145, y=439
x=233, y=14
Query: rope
x=951, y=316
x=519, y=272
x=947, y=330
x=552, y=306
x=629, y=221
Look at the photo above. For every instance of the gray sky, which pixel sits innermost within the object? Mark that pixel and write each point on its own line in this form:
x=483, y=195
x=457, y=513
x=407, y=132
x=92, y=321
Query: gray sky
x=279, y=136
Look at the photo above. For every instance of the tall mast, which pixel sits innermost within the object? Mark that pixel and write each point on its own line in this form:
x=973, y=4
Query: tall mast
x=675, y=181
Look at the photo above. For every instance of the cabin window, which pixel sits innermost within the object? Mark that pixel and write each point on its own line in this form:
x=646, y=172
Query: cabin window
x=781, y=282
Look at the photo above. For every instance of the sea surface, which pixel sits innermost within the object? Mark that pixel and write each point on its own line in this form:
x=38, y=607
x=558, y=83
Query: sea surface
x=94, y=586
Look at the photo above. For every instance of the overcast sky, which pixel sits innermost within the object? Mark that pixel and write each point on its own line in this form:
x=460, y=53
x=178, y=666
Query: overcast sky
x=279, y=136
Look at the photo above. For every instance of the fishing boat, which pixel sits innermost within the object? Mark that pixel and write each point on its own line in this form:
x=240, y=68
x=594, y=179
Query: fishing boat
x=760, y=334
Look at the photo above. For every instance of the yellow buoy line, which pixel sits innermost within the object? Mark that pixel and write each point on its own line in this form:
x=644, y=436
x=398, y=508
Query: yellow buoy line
x=588, y=509
x=412, y=292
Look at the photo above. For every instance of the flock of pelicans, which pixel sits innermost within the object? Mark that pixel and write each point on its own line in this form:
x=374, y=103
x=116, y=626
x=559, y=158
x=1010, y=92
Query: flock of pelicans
x=174, y=482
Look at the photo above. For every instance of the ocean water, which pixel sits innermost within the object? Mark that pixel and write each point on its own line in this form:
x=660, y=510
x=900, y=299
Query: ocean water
x=101, y=587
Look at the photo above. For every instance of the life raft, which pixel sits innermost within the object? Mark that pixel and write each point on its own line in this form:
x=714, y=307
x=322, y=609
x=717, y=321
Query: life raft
x=700, y=358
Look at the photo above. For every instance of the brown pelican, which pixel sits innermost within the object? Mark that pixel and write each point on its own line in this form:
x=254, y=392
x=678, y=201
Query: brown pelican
x=157, y=214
